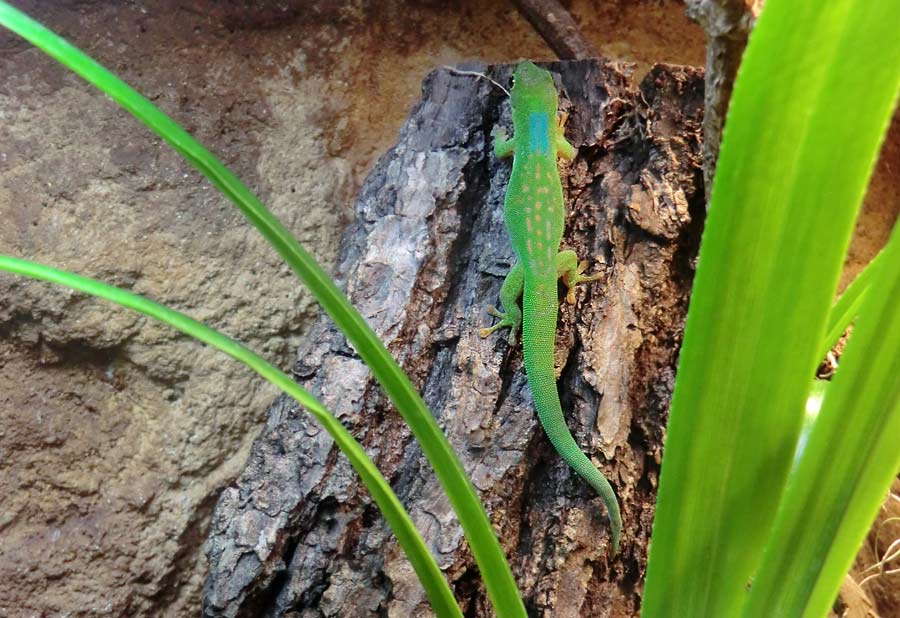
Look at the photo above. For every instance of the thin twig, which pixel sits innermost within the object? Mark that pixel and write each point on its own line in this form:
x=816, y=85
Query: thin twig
x=727, y=24
x=557, y=28
x=475, y=74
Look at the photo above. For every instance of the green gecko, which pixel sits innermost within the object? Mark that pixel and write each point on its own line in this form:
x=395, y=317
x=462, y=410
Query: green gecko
x=535, y=215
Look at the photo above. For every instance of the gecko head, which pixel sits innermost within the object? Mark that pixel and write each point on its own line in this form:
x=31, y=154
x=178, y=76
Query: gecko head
x=530, y=82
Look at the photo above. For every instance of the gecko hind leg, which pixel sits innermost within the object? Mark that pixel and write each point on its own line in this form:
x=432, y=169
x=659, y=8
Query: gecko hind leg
x=571, y=271
x=510, y=294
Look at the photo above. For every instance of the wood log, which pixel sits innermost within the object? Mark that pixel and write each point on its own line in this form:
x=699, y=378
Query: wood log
x=297, y=535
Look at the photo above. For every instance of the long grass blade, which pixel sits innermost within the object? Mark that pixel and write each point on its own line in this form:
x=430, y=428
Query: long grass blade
x=847, y=467
x=790, y=178
x=423, y=562
x=485, y=547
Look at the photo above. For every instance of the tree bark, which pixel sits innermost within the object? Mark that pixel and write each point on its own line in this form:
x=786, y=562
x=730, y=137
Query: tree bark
x=297, y=535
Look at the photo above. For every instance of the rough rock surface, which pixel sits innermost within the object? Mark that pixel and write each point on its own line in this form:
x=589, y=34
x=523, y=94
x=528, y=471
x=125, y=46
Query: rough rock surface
x=298, y=536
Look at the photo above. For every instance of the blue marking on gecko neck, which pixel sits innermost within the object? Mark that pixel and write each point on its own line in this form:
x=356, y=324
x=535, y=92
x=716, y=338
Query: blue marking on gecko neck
x=538, y=133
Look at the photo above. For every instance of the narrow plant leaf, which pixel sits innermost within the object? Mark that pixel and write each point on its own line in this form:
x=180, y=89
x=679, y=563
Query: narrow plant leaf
x=810, y=105
x=847, y=307
x=847, y=467
x=485, y=547
x=813, y=405
x=423, y=562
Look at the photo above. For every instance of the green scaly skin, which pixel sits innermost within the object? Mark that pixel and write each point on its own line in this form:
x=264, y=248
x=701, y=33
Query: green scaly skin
x=535, y=216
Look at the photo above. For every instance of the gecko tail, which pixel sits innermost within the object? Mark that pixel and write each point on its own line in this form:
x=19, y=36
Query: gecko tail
x=542, y=382
x=555, y=426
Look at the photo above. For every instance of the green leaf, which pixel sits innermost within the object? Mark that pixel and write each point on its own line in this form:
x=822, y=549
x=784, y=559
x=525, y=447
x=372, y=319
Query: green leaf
x=810, y=105
x=485, y=547
x=848, y=464
x=426, y=568
x=847, y=307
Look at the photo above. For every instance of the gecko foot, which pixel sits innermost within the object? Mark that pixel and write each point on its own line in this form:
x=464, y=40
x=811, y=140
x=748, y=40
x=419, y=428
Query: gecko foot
x=506, y=321
x=573, y=277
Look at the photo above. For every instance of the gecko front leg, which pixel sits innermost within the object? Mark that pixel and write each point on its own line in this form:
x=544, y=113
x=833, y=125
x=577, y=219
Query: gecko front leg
x=571, y=271
x=503, y=146
x=563, y=148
